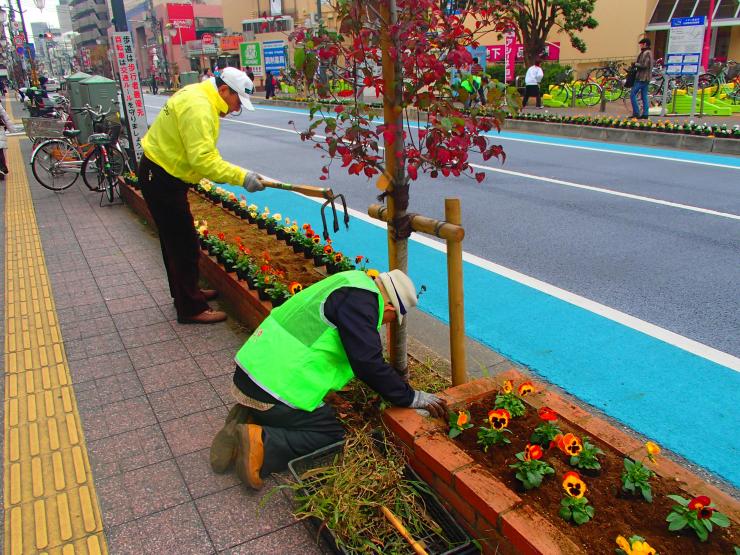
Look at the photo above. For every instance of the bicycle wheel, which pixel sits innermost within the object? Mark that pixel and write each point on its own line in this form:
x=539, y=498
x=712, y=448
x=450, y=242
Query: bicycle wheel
x=613, y=89
x=590, y=94
x=56, y=164
x=110, y=186
x=93, y=172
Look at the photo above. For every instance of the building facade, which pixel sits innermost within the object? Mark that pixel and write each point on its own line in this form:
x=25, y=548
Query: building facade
x=91, y=20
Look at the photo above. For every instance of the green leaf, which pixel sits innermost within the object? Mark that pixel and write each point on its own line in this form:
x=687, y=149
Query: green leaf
x=647, y=493
x=720, y=519
x=454, y=432
x=580, y=517
x=565, y=513
x=680, y=500
x=701, y=531
x=673, y=516
x=707, y=524
x=678, y=524
x=299, y=57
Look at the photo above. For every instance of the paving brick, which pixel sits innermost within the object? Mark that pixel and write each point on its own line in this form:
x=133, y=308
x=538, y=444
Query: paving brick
x=138, y=318
x=154, y=488
x=111, y=389
x=124, y=278
x=136, y=302
x=194, y=432
x=441, y=455
x=292, y=539
x=170, y=374
x=103, y=344
x=459, y=505
x=117, y=418
x=121, y=291
x=217, y=363
x=225, y=514
x=468, y=391
x=199, y=478
x=158, y=353
x=147, y=335
x=98, y=367
x=128, y=451
x=222, y=386
x=408, y=424
x=184, y=400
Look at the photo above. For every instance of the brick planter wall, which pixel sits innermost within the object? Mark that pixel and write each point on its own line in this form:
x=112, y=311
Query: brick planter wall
x=493, y=514
x=244, y=302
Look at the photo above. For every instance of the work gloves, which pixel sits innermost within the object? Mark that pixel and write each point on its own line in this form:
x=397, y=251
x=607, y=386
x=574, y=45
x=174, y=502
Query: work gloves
x=430, y=404
x=252, y=182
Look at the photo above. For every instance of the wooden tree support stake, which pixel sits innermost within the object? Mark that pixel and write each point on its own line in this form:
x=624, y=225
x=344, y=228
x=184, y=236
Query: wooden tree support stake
x=453, y=233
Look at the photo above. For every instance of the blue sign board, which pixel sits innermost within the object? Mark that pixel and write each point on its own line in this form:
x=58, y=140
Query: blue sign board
x=275, y=55
x=685, y=44
x=20, y=51
x=479, y=55
x=31, y=50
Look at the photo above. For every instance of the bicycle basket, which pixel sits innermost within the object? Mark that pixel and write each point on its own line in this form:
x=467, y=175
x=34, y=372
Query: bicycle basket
x=43, y=128
x=111, y=127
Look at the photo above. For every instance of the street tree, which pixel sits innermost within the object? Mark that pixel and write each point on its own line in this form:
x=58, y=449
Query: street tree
x=535, y=21
x=408, y=52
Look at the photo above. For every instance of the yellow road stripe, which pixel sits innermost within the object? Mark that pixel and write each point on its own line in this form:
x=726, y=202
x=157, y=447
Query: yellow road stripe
x=50, y=500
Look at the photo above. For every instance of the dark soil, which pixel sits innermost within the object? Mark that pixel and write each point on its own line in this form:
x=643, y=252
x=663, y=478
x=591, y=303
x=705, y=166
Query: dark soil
x=282, y=257
x=617, y=513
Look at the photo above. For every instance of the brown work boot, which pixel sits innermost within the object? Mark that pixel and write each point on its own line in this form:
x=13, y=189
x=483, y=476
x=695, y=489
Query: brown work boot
x=250, y=454
x=209, y=294
x=208, y=316
x=223, y=446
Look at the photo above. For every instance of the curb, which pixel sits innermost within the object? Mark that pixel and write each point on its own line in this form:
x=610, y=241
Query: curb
x=498, y=517
x=678, y=141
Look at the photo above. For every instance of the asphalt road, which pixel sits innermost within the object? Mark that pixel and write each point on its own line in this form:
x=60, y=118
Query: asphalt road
x=677, y=267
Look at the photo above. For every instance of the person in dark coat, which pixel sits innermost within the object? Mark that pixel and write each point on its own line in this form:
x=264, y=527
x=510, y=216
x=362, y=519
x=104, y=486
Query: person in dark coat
x=269, y=85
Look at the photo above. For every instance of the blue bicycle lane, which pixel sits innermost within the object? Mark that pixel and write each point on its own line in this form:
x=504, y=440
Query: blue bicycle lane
x=678, y=399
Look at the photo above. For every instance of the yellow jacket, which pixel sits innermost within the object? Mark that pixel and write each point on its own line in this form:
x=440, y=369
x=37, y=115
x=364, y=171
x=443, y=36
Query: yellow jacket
x=182, y=139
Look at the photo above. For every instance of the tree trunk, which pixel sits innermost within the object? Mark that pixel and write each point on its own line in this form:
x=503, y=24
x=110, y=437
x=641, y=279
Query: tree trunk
x=397, y=197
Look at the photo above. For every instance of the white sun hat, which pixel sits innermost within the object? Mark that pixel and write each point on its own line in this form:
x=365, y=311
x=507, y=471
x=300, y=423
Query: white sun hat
x=238, y=81
x=401, y=291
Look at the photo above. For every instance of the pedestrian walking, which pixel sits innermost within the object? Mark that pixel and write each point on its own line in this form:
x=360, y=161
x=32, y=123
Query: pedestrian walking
x=155, y=89
x=532, y=81
x=180, y=150
x=176, y=81
x=312, y=345
x=644, y=65
x=5, y=126
x=269, y=85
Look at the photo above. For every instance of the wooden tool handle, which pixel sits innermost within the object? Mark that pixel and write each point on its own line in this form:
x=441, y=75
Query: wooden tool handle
x=308, y=190
x=393, y=519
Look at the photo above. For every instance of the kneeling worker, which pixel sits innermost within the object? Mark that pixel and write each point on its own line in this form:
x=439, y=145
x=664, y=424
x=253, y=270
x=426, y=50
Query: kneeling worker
x=313, y=344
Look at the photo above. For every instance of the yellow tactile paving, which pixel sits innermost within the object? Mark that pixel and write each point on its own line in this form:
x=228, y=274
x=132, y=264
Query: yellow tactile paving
x=50, y=500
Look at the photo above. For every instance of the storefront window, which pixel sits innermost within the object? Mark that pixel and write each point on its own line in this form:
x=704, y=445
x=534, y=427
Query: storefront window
x=684, y=8
x=663, y=11
x=727, y=9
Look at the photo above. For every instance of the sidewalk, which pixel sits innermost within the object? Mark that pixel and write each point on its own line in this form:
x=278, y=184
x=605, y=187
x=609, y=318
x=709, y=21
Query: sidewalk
x=150, y=393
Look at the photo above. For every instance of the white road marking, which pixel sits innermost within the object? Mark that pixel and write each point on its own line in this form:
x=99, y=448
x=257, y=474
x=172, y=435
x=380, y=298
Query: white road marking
x=561, y=145
x=679, y=341
x=549, y=180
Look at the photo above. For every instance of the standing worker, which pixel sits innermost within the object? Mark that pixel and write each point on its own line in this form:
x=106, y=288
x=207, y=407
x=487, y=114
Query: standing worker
x=179, y=150
x=312, y=345
x=532, y=81
x=644, y=65
x=155, y=89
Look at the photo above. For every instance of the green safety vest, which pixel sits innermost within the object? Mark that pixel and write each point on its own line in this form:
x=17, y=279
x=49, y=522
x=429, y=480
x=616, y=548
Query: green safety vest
x=296, y=354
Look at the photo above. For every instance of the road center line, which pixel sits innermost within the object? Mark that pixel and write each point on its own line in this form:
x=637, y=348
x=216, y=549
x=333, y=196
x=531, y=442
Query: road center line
x=548, y=180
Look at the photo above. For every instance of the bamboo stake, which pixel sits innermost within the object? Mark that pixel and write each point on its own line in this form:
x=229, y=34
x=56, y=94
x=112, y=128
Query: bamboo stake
x=424, y=224
x=393, y=519
x=455, y=298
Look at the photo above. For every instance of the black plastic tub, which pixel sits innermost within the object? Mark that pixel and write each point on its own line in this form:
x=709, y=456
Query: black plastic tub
x=455, y=541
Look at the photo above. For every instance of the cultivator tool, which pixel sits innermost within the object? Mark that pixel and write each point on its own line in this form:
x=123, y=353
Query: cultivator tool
x=317, y=192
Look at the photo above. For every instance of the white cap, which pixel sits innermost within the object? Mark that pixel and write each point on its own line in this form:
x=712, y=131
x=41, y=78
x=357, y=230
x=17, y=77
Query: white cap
x=238, y=81
x=401, y=291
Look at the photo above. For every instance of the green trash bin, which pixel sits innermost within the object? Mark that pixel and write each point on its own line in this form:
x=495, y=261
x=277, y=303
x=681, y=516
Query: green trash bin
x=188, y=78
x=96, y=91
x=75, y=98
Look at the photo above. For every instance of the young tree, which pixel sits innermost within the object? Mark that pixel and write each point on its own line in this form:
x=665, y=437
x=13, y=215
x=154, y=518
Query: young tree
x=407, y=51
x=535, y=20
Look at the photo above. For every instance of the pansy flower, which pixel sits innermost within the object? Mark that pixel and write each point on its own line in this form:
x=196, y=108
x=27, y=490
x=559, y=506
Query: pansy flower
x=525, y=389
x=569, y=444
x=306, y=226
x=532, y=452
x=295, y=287
x=222, y=236
x=701, y=505
x=547, y=414
x=277, y=217
x=463, y=417
x=508, y=386
x=573, y=485
x=316, y=239
x=499, y=418
x=652, y=450
x=328, y=249
x=338, y=257
x=359, y=258
x=635, y=546
x=372, y=273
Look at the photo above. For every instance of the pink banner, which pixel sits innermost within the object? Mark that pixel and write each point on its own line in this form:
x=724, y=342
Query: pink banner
x=496, y=52
x=509, y=56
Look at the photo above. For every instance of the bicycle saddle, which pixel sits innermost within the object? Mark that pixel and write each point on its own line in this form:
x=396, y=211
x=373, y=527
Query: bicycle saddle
x=71, y=133
x=100, y=139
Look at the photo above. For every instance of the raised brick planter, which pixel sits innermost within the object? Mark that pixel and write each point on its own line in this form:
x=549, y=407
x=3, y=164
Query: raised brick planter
x=245, y=303
x=491, y=512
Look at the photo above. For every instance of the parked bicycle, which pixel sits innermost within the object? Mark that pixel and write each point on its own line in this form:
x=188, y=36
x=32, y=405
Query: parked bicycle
x=717, y=79
x=612, y=70
x=588, y=93
x=58, y=162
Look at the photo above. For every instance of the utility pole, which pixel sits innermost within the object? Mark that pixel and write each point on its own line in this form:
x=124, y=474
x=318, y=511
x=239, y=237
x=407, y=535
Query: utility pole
x=27, y=49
